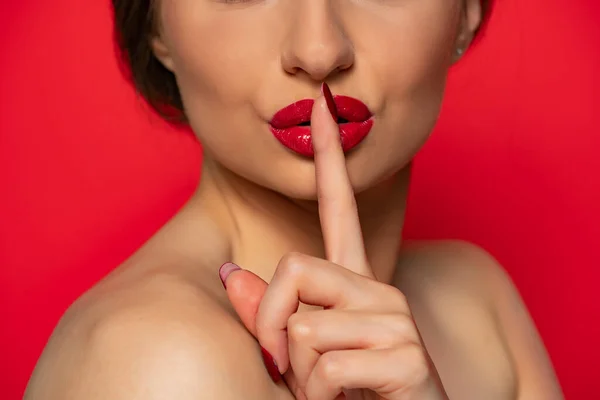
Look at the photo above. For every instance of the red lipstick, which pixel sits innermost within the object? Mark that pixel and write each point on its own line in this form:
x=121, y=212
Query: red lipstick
x=291, y=124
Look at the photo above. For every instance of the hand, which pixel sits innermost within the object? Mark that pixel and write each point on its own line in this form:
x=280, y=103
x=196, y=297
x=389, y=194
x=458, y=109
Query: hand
x=364, y=343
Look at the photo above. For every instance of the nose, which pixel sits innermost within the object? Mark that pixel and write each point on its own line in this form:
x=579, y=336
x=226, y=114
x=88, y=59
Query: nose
x=316, y=43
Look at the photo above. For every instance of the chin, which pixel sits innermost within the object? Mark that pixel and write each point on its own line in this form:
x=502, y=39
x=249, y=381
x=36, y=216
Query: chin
x=295, y=178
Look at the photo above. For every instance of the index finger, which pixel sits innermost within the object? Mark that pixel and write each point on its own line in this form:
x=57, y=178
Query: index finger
x=342, y=234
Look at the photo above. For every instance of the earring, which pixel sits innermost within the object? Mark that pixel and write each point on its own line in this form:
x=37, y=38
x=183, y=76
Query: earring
x=460, y=51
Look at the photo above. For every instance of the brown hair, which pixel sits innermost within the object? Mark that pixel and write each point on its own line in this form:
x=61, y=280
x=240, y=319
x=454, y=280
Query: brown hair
x=135, y=23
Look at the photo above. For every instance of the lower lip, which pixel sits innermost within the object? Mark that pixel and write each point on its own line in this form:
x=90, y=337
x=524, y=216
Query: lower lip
x=298, y=138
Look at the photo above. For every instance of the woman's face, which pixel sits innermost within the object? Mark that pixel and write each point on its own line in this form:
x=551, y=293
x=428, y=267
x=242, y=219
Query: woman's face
x=239, y=62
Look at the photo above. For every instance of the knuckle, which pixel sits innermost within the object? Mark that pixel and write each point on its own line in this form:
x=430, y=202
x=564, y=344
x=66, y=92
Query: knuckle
x=299, y=328
x=330, y=368
x=292, y=263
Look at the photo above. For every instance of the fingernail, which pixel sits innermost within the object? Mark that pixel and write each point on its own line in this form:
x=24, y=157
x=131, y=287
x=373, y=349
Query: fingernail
x=329, y=99
x=271, y=365
x=226, y=270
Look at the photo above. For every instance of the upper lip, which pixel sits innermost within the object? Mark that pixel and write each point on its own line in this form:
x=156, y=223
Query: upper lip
x=349, y=110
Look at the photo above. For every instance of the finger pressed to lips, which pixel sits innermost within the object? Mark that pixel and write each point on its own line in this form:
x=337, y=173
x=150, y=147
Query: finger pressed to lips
x=342, y=234
x=341, y=281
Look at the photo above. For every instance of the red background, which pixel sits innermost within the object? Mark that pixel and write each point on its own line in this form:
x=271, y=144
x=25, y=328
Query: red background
x=87, y=175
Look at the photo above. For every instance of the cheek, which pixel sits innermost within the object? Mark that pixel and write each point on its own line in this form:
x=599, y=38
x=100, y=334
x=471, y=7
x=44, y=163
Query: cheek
x=220, y=61
x=215, y=55
x=407, y=60
x=412, y=63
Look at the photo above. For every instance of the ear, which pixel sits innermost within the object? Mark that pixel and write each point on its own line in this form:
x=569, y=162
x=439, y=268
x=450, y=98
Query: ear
x=471, y=18
x=161, y=51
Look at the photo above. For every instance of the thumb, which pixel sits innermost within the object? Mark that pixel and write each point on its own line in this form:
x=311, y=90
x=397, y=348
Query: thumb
x=245, y=291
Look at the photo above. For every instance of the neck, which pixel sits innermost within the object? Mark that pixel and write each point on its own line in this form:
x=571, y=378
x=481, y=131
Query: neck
x=259, y=226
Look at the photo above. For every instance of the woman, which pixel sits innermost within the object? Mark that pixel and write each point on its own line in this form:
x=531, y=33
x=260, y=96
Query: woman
x=305, y=191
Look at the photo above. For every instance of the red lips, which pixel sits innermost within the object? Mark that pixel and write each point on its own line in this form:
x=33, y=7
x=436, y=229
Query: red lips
x=291, y=124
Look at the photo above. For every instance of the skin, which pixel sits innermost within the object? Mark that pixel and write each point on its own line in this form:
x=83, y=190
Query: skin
x=423, y=321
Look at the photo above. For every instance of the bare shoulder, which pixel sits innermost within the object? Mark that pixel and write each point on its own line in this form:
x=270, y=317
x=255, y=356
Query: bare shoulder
x=461, y=295
x=450, y=266
x=153, y=337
